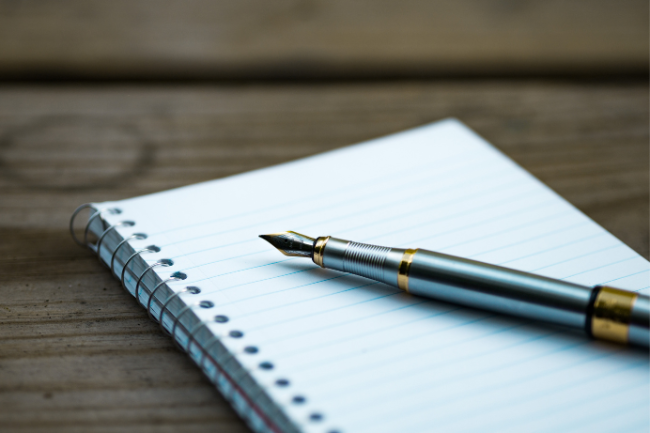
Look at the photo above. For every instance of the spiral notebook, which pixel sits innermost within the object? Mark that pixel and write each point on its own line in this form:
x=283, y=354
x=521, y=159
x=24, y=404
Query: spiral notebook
x=296, y=348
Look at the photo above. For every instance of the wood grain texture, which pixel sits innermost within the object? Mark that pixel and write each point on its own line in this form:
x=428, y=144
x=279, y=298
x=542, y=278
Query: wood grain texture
x=321, y=38
x=78, y=354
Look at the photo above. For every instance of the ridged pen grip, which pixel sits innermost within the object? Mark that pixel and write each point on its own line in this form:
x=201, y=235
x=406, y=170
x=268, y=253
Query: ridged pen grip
x=365, y=260
x=370, y=261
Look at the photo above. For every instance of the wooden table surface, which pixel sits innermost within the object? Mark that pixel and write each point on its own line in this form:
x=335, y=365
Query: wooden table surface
x=77, y=353
x=321, y=38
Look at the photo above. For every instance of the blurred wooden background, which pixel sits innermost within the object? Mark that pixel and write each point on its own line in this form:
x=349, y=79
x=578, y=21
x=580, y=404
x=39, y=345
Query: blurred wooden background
x=109, y=100
x=321, y=38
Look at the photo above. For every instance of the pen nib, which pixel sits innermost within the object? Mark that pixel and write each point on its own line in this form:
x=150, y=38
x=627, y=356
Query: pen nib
x=291, y=243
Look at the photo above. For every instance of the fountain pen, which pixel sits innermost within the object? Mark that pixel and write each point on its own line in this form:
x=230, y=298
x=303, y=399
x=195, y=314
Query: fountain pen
x=603, y=312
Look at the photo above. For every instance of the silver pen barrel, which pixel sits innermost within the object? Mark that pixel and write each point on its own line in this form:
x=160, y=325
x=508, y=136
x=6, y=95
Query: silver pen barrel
x=603, y=312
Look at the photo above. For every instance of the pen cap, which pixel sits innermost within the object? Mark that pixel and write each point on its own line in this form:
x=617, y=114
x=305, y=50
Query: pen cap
x=481, y=285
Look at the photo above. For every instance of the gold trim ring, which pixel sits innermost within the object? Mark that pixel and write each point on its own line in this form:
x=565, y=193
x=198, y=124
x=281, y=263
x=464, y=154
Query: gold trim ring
x=319, y=249
x=611, y=314
x=404, y=269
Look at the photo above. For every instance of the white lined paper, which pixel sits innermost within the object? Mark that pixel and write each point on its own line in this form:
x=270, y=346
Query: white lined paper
x=370, y=358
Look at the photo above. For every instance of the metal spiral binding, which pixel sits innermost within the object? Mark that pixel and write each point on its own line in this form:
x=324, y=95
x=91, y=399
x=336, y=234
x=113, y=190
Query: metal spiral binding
x=85, y=243
x=176, y=276
x=72, y=218
x=98, y=247
x=138, y=236
x=191, y=334
x=216, y=338
x=221, y=361
x=200, y=304
x=206, y=349
x=195, y=329
x=229, y=355
x=148, y=249
x=161, y=262
x=191, y=289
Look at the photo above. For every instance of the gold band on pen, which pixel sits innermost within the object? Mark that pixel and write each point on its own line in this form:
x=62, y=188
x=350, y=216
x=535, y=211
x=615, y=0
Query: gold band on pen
x=611, y=314
x=404, y=269
x=319, y=248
